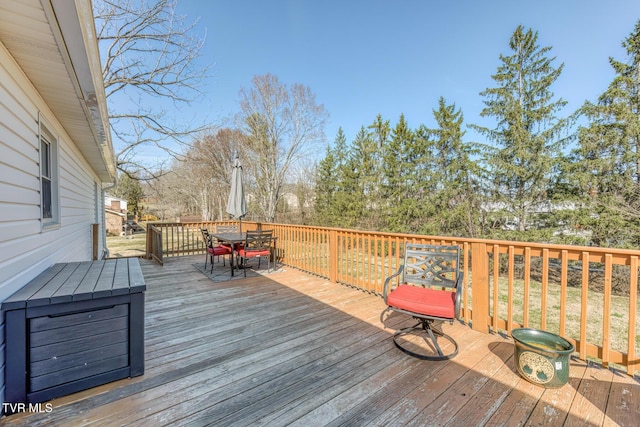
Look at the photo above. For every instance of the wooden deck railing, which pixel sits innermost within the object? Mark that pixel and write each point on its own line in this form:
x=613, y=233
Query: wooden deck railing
x=588, y=295
x=154, y=243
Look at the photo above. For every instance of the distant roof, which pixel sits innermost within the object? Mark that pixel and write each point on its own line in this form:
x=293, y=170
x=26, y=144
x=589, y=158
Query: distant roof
x=111, y=211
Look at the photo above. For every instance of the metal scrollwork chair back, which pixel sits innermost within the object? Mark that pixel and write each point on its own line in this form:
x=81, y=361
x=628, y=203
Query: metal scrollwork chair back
x=257, y=244
x=214, y=248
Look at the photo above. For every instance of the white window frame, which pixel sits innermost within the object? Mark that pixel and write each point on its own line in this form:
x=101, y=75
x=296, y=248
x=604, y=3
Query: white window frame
x=48, y=174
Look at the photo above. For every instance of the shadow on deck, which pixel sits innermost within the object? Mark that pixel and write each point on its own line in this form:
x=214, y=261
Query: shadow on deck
x=290, y=348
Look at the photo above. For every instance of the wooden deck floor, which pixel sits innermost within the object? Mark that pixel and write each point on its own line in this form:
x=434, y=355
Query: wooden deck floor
x=292, y=349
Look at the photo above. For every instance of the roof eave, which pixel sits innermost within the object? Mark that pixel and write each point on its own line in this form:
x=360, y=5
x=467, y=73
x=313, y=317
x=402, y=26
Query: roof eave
x=73, y=27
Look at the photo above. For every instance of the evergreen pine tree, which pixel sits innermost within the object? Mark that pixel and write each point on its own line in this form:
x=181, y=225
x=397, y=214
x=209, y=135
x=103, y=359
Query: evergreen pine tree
x=458, y=196
x=527, y=140
x=343, y=202
x=129, y=188
x=364, y=202
x=606, y=167
x=399, y=186
x=325, y=189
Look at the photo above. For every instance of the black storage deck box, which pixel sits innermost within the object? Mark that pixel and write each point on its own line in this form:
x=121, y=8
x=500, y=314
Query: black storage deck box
x=75, y=326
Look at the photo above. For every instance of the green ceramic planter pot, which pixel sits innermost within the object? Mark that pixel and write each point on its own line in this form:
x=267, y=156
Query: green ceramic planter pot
x=542, y=357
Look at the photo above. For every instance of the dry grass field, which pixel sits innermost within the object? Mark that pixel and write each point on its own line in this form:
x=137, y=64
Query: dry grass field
x=126, y=246
x=619, y=320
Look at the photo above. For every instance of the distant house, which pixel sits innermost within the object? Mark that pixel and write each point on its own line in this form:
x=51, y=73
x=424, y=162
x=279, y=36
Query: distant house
x=56, y=153
x=189, y=218
x=115, y=213
x=510, y=221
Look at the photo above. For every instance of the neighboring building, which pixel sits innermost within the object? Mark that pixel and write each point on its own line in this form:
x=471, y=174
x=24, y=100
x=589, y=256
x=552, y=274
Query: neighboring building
x=115, y=212
x=189, y=218
x=56, y=153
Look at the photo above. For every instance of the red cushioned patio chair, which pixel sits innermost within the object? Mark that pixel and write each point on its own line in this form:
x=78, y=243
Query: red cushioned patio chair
x=257, y=244
x=427, y=287
x=214, y=248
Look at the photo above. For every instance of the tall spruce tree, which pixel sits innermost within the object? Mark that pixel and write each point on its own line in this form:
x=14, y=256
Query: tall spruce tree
x=325, y=189
x=336, y=186
x=398, y=185
x=378, y=136
x=525, y=145
x=457, y=197
x=606, y=163
x=344, y=203
x=365, y=206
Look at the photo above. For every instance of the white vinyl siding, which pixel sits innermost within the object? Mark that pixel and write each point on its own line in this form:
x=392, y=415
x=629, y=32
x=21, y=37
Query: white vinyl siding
x=26, y=247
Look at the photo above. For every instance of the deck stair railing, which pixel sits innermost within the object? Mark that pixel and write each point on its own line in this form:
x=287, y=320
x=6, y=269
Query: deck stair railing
x=588, y=295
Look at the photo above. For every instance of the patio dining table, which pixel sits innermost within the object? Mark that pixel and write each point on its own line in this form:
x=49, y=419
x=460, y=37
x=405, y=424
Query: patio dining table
x=232, y=239
x=235, y=239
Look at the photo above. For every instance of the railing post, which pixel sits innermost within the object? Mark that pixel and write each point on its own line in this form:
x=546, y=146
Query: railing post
x=95, y=241
x=149, y=242
x=479, y=287
x=333, y=255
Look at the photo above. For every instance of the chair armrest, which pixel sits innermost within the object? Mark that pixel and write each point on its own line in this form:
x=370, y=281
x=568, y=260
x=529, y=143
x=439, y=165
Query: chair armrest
x=387, y=281
x=459, y=281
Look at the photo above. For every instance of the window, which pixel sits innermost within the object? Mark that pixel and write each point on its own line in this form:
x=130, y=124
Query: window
x=48, y=177
x=45, y=177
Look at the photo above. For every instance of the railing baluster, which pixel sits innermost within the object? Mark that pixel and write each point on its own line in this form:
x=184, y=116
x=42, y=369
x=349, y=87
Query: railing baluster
x=584, y=304
x=496, y=286
x=632, y=363
x=510, y=289
x=347, y=258
x=606, y=321
x=357, y=257
x=467, y=279
x=545, y=288
x=563, y=290
x=527, y=285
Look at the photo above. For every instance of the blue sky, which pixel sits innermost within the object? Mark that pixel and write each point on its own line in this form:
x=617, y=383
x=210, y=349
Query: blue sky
x=364, y=58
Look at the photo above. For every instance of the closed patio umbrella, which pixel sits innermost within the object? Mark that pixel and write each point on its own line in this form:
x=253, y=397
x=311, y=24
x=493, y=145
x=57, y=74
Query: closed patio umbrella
x=237, y=205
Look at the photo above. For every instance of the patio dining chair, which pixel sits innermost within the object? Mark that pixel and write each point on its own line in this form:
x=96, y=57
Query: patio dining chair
x=214, y=249
x=429, y=289
x=257, y=244
x=227, y=229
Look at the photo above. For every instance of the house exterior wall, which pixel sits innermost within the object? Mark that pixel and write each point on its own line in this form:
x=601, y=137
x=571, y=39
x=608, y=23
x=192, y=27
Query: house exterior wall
x=26, y=247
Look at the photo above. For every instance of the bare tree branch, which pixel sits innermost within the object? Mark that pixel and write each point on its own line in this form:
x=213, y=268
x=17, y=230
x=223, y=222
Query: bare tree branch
x=282, y=124
x=149, y=57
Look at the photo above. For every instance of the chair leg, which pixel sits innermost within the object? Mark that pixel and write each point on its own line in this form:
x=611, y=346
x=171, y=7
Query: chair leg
x=231, y=262
x=434, y=341
x=431, y=339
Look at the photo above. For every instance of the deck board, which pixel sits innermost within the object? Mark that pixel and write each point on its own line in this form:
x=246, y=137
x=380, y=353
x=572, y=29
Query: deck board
x=290, y=348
